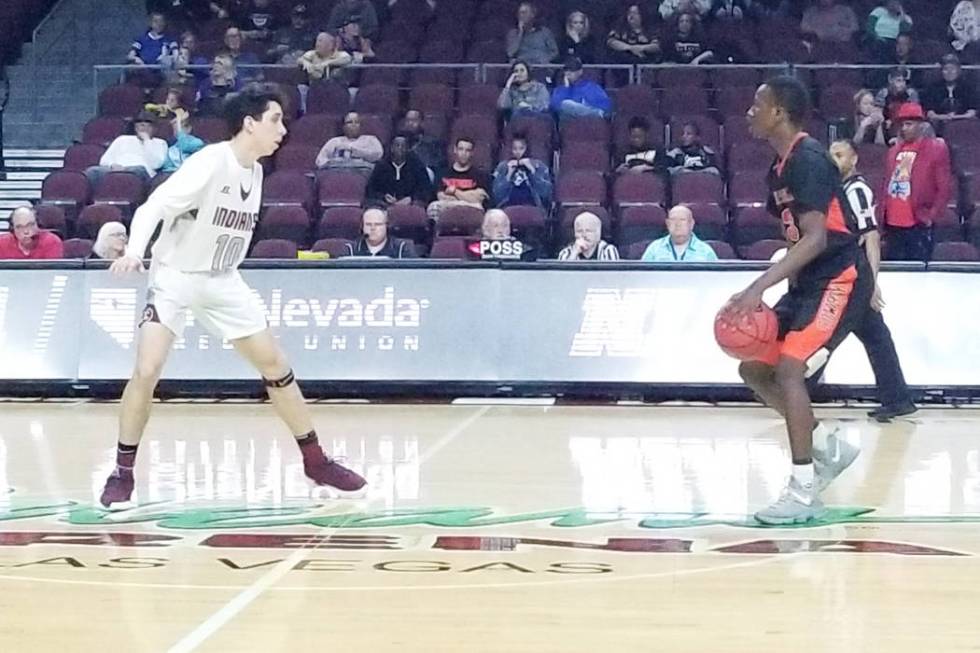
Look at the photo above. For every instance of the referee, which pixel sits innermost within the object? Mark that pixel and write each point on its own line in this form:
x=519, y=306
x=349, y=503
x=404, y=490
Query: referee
x=893, y=393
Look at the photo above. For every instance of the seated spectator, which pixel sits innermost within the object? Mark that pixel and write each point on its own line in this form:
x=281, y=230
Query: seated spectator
x=168, y=109
x=352, y=151
x=259, y=20
x=324, y=61
x=360, y=11
x=290, y=42
x=223, y=80
x=154, y=46
x=576, y=96
x=399, y=178
x=521, y=180
x=26, y=241
x=674, y=8
x=429, y=150
x=139, y=153
x=588, y=244
x=680, y=243
x=460, y=184
x=496, y=225
x=189, y=55
x=185, y=142
x=831, y=22
x=868, y=123
x=688, y=43
x=577, y=40
x=110, y=244
x=642, y=155
x=731, y=11
x=953, y=98
x=522, y=95
x=240, y=57
x=897, y=93
x=632, y=42
x=692, y=155
x=530, y=41
x=885, y=24
x=900, y=53
x=964, y=24
x=350, y=41
x=374, y=240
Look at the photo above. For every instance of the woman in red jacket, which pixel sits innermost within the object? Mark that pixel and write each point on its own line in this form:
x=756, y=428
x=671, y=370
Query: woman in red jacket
x=918, y=184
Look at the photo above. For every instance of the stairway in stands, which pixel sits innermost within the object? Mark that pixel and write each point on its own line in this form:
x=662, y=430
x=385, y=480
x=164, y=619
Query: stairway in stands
x=20, y=180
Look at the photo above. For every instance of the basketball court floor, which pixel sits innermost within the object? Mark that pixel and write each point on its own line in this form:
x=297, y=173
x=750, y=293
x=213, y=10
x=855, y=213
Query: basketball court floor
x=486, y=528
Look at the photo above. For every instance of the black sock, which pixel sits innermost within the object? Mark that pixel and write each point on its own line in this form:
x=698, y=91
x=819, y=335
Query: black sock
x=125, y=458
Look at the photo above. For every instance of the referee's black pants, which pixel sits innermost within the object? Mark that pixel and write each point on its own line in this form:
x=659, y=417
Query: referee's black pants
x=877, y=340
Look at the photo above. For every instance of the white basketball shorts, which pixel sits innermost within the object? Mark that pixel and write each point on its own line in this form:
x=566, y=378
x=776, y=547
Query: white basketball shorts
x=223, y=304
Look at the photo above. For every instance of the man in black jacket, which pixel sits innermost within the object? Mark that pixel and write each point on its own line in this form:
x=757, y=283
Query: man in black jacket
x=399, y=178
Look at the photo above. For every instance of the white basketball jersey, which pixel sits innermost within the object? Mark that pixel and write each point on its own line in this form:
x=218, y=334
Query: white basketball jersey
x=209, y=207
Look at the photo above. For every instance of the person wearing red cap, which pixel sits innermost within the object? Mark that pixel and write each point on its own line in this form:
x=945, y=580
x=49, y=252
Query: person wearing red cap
x=918, y=184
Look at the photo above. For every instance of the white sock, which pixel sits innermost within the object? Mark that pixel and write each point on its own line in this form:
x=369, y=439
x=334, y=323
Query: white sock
x=820, y=433
x=803, y=474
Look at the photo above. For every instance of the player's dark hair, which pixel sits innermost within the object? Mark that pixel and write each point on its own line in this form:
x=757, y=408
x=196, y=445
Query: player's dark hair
x=791, y=95
x=251, y=102
x=846, y=142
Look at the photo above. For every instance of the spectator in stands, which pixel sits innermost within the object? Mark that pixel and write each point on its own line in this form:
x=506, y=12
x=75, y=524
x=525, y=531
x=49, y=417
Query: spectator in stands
x=233, y=44
x=360, y=11
x=111, y=242
x=588, y=244
x=26, y=241
x=429, y=150
x=731, y=11
x=351, y=151
x=885, y=24
x=952, y=98
x=460, y=184
x=680, y=243
x=325, y=60
x=399, y=178
x=154, y=46
x=897, y=93
x=868, y=123
x=918, y=185
x=831, y=22
x=139, y=153
x=522, y=95
x=522, y=180
x=632, y=42
x=642, y=155
x=964, y=24
x=496, y=225
x=688, y=43
x=223, y=80
x=188, y=55
x=674, y=8
x=900, y=53
x=351, y=42
x=182, y=12
x=259, y=20
x=290, y=42
x=577, y=40
x=692, y=155
x=374, y=240
x=169, y=107
x=576, y=97
x=530, y=41
x=185, y=142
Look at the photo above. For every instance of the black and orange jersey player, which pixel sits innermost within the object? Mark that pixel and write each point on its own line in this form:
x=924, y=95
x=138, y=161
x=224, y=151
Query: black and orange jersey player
x=830, y=288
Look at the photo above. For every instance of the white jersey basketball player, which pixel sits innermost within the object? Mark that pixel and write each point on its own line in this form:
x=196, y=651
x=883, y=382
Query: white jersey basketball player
x=209, y=208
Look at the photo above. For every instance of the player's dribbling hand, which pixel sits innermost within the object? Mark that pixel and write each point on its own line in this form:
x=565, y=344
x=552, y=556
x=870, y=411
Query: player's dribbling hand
x=126, y=265
x=741, y=305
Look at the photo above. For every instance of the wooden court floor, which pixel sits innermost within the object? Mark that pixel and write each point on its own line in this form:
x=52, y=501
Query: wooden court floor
x=486, y=528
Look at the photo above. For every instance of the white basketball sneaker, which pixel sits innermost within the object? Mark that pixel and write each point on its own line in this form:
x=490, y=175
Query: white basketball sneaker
x=796, y=505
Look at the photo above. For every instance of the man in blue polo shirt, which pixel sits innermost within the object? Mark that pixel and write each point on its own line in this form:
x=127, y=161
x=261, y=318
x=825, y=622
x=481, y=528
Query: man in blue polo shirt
x=680, y=243
x=154, y=46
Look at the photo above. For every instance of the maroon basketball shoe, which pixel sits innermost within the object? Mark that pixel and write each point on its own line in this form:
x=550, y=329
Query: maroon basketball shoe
x=326, y=471
x=118, y=491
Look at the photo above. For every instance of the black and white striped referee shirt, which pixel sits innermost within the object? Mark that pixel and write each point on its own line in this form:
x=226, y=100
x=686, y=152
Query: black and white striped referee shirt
x=861, y=200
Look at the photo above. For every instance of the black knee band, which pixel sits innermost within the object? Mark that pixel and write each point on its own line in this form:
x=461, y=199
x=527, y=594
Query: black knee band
x=280, y=383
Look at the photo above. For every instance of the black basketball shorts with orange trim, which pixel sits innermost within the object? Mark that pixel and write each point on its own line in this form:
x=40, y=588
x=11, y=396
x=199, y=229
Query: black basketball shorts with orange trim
x=813, y=321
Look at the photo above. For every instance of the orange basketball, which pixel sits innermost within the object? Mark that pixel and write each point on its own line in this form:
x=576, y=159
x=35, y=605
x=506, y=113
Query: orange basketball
x=746, y=339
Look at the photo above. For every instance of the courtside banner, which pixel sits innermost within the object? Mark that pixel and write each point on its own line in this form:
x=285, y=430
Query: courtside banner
x=478, y=324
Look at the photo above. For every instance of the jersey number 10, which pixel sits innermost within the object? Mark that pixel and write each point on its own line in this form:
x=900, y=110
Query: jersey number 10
x=227, y=252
